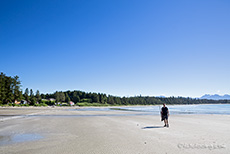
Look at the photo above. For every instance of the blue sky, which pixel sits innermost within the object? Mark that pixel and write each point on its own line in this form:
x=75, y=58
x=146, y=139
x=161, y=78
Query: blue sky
x=122, y=47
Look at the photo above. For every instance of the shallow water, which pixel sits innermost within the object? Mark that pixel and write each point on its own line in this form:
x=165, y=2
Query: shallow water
x=184, y=109
x=17, y=138
x=223, y=109
x=174, y=109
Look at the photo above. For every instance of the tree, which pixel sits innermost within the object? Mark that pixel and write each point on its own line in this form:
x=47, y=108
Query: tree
x=32, y=98
x=67, y=99
x=2, y=88
x=111, y=100
x=9, y=90
x=43, y=96
x=31, y=93
x=26, y=94
x=59, y=96
x=103, y=98
x=76, y=98
x=38, y=96
x=62, y=97
x=16, y=88
x=95, y=97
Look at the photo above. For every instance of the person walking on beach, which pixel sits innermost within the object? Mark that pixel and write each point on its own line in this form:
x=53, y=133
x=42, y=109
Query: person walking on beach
x=165, y=115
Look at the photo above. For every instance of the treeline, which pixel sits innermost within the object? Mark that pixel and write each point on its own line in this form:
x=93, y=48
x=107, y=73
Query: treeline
x=10, y=92
x=92, y=99
x=9, y=89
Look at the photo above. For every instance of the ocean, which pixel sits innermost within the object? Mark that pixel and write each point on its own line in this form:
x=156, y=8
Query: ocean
x=182, y=109
x=173, y=109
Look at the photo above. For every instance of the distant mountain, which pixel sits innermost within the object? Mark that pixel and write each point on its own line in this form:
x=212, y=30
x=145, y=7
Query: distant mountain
x=215, y=97
x=161, y=96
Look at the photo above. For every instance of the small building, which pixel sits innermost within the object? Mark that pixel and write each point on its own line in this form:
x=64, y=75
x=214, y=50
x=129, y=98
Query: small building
x=16, y=102
x=63, y=104
x=71, y=103
x=52, y=99
x=24, y=102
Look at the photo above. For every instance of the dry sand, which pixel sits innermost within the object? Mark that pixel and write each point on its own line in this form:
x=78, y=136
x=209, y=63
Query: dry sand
x=58, y=131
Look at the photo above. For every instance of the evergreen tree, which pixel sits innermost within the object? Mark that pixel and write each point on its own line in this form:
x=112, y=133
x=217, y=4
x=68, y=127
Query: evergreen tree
x=43, y=96
x=103, y=98
x=33, y=101
x=21, y=96
x=9, y=90
x=94, y=97
x=38, y=96
x=57, y=96
x=31, y=93
x=16, y=89
x=32, y=98
x=62, y=97
x=76, y=98
x=26, y=94
x=67, y=99
x=2, y=88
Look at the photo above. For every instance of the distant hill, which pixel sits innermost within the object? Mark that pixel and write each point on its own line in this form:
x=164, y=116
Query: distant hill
x=215, y=97
x=161, y=96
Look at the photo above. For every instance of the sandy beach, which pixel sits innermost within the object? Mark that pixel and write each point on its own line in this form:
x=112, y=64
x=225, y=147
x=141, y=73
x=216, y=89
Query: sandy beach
x=63, y=131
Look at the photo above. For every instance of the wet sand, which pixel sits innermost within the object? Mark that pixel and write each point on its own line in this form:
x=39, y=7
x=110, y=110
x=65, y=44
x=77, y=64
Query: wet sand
x=61, y=131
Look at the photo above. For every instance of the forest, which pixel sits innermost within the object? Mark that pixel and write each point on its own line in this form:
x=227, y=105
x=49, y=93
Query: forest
x=12, y=95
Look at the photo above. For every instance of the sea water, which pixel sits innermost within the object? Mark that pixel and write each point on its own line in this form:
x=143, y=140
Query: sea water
x=183, y=109
x=17, y=138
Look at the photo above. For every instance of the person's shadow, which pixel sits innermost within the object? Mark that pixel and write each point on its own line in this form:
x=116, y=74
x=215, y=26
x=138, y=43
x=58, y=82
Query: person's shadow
x=151, y=127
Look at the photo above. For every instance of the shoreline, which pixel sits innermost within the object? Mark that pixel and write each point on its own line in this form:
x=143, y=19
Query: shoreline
x=107, y=106
x=73, y=133
x=154, y=109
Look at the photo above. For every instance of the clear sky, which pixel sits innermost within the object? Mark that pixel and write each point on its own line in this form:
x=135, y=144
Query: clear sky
x=118, y=47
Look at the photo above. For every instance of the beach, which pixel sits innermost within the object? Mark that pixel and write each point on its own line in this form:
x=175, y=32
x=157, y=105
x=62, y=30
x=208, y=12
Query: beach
x=70, y=131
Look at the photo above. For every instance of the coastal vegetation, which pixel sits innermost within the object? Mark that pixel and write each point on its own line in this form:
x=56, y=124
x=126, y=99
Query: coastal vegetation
x=12, y=95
